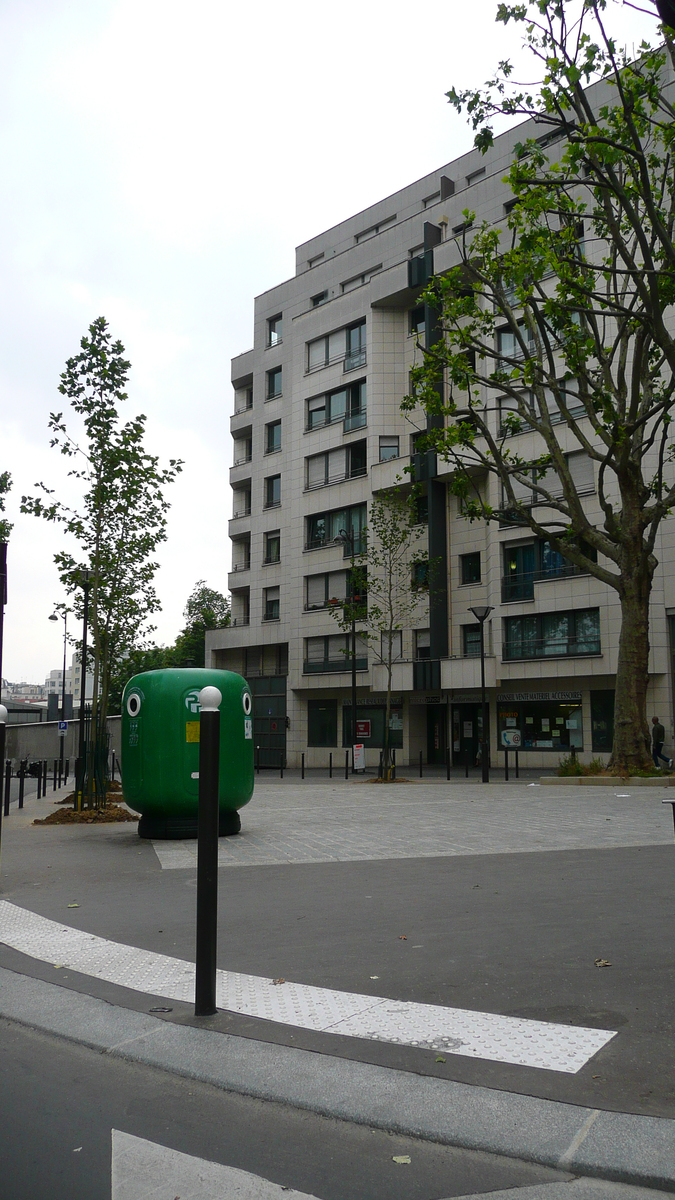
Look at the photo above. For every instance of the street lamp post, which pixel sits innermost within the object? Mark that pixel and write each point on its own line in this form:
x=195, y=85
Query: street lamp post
x=481, y=612
x=82, y=766
x=54, y=617
x=347, y=539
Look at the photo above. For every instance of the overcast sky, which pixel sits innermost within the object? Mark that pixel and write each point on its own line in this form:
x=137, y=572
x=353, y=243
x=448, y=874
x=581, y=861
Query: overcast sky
x=159, y=164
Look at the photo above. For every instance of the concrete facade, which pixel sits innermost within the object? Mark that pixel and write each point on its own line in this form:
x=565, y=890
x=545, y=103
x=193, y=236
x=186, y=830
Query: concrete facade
x=359, y=274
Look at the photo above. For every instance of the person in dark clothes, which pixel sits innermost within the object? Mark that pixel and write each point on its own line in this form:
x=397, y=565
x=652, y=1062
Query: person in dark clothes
x=658, y=738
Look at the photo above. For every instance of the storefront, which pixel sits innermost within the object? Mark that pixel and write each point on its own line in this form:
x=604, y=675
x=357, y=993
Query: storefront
x=370, y=719
x=546, y=721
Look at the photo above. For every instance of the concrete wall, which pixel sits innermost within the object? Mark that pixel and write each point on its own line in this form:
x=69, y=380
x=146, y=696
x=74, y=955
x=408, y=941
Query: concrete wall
x=38, y=741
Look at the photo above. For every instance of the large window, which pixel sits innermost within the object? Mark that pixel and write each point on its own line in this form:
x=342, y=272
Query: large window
x=509, y=345
x=471, y=641
x=356, y=347
x=273, y=437
x=396, y=646
x=324, y=528
x=274, y=330
x=552, y=635
x=346, y=404
x=370, y=725
x=334, y=653
x=346, y=462
x=321, y=590
x=273, y=491
x=328, y=349
x=274, y=383
x=470, y=564
x=530, y=562
x=322, y=722
x=271, y=604
x=388, y=448
x=272, y=542
x=422, y=644
x=543, y=724
x=416, y=316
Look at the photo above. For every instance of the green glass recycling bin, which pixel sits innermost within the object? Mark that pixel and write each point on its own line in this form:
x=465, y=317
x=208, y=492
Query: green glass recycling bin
x=160, y=749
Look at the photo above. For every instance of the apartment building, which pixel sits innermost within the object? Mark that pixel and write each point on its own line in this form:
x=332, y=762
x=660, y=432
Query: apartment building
x=318, y=432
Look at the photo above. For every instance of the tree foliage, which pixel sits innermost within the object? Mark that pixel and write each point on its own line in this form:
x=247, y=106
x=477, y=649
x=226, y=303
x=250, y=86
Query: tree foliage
x=557, y=330
x=122, y=517
x=5, y=487
x=388, y=583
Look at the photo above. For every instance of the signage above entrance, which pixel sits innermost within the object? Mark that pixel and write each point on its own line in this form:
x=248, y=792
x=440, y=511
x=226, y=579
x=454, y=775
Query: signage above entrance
x=562, y=697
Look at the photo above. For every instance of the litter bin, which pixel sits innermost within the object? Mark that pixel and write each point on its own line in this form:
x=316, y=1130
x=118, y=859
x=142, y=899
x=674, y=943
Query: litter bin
x=160, y=749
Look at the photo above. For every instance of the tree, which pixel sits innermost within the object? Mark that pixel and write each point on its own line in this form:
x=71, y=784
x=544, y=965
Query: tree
x=205, y=609
x=122, y=518
x=5, y=487
x=560, y=324
x=386, y=581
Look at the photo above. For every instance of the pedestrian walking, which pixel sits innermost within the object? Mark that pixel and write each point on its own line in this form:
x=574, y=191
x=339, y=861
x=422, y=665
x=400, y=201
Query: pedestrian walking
x=658, y=738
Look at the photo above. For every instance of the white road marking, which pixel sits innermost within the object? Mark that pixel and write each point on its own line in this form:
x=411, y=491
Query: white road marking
x=490, y=1036
x=143, y=1170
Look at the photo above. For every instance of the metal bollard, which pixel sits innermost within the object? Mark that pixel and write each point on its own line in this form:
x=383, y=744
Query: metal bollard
x=257, y=755
x=8, y=784
x=466, y=764
x=45, y=771
x=67, y=769
x=330, y=765
x=60, y=770
x=346, y=764
x=112, y=772
x=447, y=763
x=517, y=768
x=506, y=764
x=3, y=730
x=393, y=764
x=22, y=780
x=420, y=764
x=281, y=764
x=207, y=852
x=55, y=770
x=303, y=767
x=39, y=781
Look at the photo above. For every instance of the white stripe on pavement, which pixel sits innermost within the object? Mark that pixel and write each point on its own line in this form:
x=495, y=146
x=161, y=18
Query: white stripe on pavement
x=143, y=1170
x=428, y=1026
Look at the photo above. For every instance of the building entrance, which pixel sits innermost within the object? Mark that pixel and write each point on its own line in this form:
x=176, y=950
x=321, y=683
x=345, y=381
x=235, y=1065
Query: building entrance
x=437, y=724
x=467, y=730
x=269, y=719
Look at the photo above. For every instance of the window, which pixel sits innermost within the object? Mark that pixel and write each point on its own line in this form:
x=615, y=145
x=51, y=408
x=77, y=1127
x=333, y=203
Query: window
x=396, y=646
x=272, y=546
x=372, y=230
x=470, y=564
x=388, y=448
x=271, y=604
x=370, y=720
x=422, y=644
x=552, y=634
x=475, y=176
x=471, y=641
x=509, y=345
x=273, y=491
x=333, y=653
x=320, y=298
x=322, y=590
x=417, y=321
x=241, y=553
x=356, y=347
x=243, y=451
x=358, y=280
x=346, y=462
x=274, y=331
x=580, y=466
x=323, y=528
x=317, y=258
x=422, y=509
x=322, y=722
x=420, y=575
x=347, y=404
x=544, y=724
x=243, y=400
x=273, y=437
x=241, y=502
x=328, y=349
x=274, y=383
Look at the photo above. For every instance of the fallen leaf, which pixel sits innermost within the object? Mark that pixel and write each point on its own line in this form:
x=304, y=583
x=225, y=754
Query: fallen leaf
x=440, y=1058
x=160, y=1009
x=73, y=906
x=77, y=1150
x=57, y=966
x=402, y=937
x=277, y=981
x=597, y=1076
x=374, y=977
x=602, y=962
x=401, y=1158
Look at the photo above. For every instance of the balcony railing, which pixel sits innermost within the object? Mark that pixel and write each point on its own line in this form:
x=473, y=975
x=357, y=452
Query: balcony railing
x=244, y=408
x=272, y=615
x=242, y=460
x=359, y=545
x=272, y=504
x=355, y=420
x=357, y=473
x=521, y=586
x=549, y=648
x=245, y=620
x=242, y=512
x=354, y=360
x=344, y=663
x=245, y=566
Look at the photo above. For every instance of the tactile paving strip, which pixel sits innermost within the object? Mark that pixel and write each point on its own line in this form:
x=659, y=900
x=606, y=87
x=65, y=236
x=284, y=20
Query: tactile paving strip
x=450, y=1030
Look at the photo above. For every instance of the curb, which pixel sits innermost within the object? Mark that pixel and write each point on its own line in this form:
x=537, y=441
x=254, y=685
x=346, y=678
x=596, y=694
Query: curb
x=613, y=1146
x=608, y=781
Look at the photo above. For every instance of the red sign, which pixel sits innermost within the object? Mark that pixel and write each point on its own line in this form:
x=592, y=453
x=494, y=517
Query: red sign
x=363, y=729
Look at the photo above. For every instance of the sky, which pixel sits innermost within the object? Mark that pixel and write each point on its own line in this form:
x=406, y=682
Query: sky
x=159, y=164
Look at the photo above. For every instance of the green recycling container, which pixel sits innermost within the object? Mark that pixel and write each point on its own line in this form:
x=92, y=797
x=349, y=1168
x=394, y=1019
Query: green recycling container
x=160, y=749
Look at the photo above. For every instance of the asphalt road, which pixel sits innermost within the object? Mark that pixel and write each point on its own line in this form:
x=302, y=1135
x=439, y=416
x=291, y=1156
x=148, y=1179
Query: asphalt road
x=516, y=934
x=60, y=1102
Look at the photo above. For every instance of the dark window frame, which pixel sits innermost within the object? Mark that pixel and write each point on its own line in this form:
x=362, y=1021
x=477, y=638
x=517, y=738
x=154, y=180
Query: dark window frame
x=465, y=570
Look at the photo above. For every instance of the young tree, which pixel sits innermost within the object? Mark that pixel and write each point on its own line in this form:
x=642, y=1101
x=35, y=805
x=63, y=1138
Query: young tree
x=122, y=518
x=561, y=324
x=387, y=580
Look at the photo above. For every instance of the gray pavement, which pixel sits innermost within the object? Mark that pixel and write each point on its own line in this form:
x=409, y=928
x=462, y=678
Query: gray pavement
x=496, y=900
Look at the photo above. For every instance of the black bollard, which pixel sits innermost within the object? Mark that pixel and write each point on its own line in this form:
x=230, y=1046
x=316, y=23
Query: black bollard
x=60, y=776
x=303, y=766
x=393, y=764
x=3, y=719
x=257, y=756
x=517, y=767
x=67, y=768
x=420, y=764
x=8, y=784
x=281, y=764
x=207, y=852
x=39, y=779
x=466, y=764
x=447, y=763
x=22, y=780
x=346, y=764
x=330, y=765
x=55, y=770
x=379, y=770
x=45, y=771
x=506, y=764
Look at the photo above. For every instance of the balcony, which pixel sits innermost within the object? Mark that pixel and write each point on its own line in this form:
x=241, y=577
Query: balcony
x=354, y=360
x=358, y=473
x=464, y=673
x=521, y=586
x=355, y=420
x=242, y=620
x=243, y=511
x=243, y=459
x=333, y=665
x=427, y=675
x=323, y=543
x=272, y=504
x=523, y=650
x=242, y=566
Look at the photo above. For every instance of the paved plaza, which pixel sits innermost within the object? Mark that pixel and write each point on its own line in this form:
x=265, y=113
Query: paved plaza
x=475, y=978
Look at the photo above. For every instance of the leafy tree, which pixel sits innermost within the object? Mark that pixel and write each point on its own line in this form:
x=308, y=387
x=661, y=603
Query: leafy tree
x=5, y=487
x=388, y=578
x=559, y=326
x=122, y=518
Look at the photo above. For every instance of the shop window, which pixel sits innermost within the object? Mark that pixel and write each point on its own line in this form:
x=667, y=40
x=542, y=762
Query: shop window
x=370, y=726
x=602, y=721
x=322, y=722
x=543, y=724
x=470, y=567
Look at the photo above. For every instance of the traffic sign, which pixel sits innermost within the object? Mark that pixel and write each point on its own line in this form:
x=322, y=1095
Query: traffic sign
x=63, y=728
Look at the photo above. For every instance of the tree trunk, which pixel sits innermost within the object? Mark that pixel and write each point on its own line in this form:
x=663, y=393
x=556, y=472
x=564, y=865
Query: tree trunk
x=631, y=747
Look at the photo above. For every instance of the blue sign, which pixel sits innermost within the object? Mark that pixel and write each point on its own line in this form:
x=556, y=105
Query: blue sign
x=63, y=728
